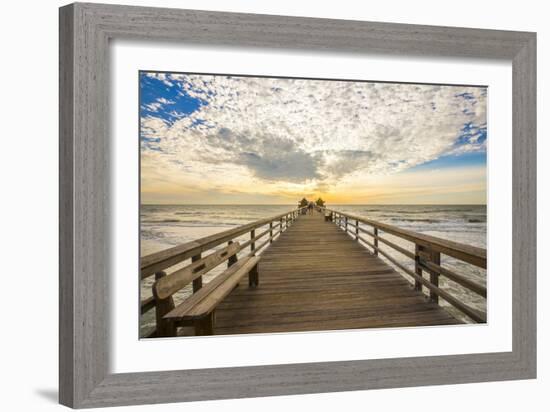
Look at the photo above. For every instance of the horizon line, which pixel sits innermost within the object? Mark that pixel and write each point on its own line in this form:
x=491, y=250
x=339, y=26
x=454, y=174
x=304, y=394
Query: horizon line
x=293, y=204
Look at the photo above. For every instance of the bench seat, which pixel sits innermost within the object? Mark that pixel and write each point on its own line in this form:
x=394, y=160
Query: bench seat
x=199, y=308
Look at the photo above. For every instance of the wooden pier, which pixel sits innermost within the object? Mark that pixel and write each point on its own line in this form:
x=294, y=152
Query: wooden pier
x=306, y=272
x=315, y=277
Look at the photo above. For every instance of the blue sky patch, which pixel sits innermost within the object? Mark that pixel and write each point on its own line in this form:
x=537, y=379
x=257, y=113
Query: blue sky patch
x=453, y=161
x=168, y=102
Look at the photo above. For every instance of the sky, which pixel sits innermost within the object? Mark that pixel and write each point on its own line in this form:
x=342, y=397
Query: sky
x=217, y=139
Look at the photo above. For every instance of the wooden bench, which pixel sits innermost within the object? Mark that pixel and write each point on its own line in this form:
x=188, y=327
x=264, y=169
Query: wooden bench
x=328, y=216
x=198, y=309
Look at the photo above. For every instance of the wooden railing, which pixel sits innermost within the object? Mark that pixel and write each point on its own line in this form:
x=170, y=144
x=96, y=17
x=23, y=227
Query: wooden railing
x=156, y=263
x=426, y=256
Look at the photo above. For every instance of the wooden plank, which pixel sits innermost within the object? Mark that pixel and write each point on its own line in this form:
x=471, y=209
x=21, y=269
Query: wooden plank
x=317, y=277
x=213, y=299
x=375, y=241
x=435, y=257
x=147, y=304
x=161, y=260
x=197, y=281
x=417, y=267
x=455, y=277
x=474, y=314
x=162, y=307
x=471, y=254
x=182, y=310
x=260, y=247
x=404, y=251
x=169, y=285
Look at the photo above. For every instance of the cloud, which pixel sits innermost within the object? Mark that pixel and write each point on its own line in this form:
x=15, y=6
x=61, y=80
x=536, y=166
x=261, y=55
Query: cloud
x=266, y=156
x=152, y=107
x=296, y=166
x=162, y=100
x=284, y=132
x=162, y=77
x=342, y=162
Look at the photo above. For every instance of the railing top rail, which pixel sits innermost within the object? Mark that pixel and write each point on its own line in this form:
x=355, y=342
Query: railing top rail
x=470, y=254
x=165, y=258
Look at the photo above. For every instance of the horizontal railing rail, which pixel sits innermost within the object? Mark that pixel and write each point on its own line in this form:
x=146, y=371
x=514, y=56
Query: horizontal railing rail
x=426, y=256
x=157, y=263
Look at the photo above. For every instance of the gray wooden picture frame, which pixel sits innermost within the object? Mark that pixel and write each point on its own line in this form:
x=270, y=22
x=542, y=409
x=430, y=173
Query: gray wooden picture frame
x=85, y=32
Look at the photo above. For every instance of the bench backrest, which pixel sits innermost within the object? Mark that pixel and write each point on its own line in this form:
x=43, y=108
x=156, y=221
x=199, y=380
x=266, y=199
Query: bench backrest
x=168, y=285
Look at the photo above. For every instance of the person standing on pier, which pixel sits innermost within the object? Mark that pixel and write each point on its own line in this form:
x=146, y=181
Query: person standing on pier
x=310, y=207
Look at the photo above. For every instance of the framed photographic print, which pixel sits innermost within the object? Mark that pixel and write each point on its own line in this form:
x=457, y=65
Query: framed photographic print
x=285, y=201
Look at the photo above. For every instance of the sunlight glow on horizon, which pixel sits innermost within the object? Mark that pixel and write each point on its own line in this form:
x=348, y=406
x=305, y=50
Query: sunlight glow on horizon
x=453, y=186
x=231, y=140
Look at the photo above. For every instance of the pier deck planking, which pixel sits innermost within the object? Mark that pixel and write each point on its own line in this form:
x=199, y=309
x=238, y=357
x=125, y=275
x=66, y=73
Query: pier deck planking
x=317, y=277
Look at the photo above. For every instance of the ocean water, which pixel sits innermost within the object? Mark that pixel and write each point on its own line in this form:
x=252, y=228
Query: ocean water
x=165, y=226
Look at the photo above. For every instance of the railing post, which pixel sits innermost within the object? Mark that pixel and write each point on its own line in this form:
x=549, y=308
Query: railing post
x=356, y=230
x=435, y=258
x=375, y=241
x=280, y=226
x=270, y=232
x=233, y=258
x=197, y=283
x=162, y=307
x=346, y=223
x=417, y=268
x=253, y=277
x=422, y=255
x=252, y=244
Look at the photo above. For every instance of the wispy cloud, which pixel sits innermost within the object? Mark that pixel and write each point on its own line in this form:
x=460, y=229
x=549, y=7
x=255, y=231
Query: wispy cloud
x=162, y=100
x=292, y=134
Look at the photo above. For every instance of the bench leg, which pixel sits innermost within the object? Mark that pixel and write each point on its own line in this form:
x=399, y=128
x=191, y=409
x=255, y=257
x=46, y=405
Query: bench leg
x=205, y=326
x=253, y=277
x=165, y=328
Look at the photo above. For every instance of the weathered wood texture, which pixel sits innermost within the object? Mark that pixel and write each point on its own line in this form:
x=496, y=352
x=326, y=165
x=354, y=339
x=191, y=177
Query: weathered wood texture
x=169, y=285
x=470, y=254
x=213, y=293
x=316, y=277
x=163, y=259
x=427, y=257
